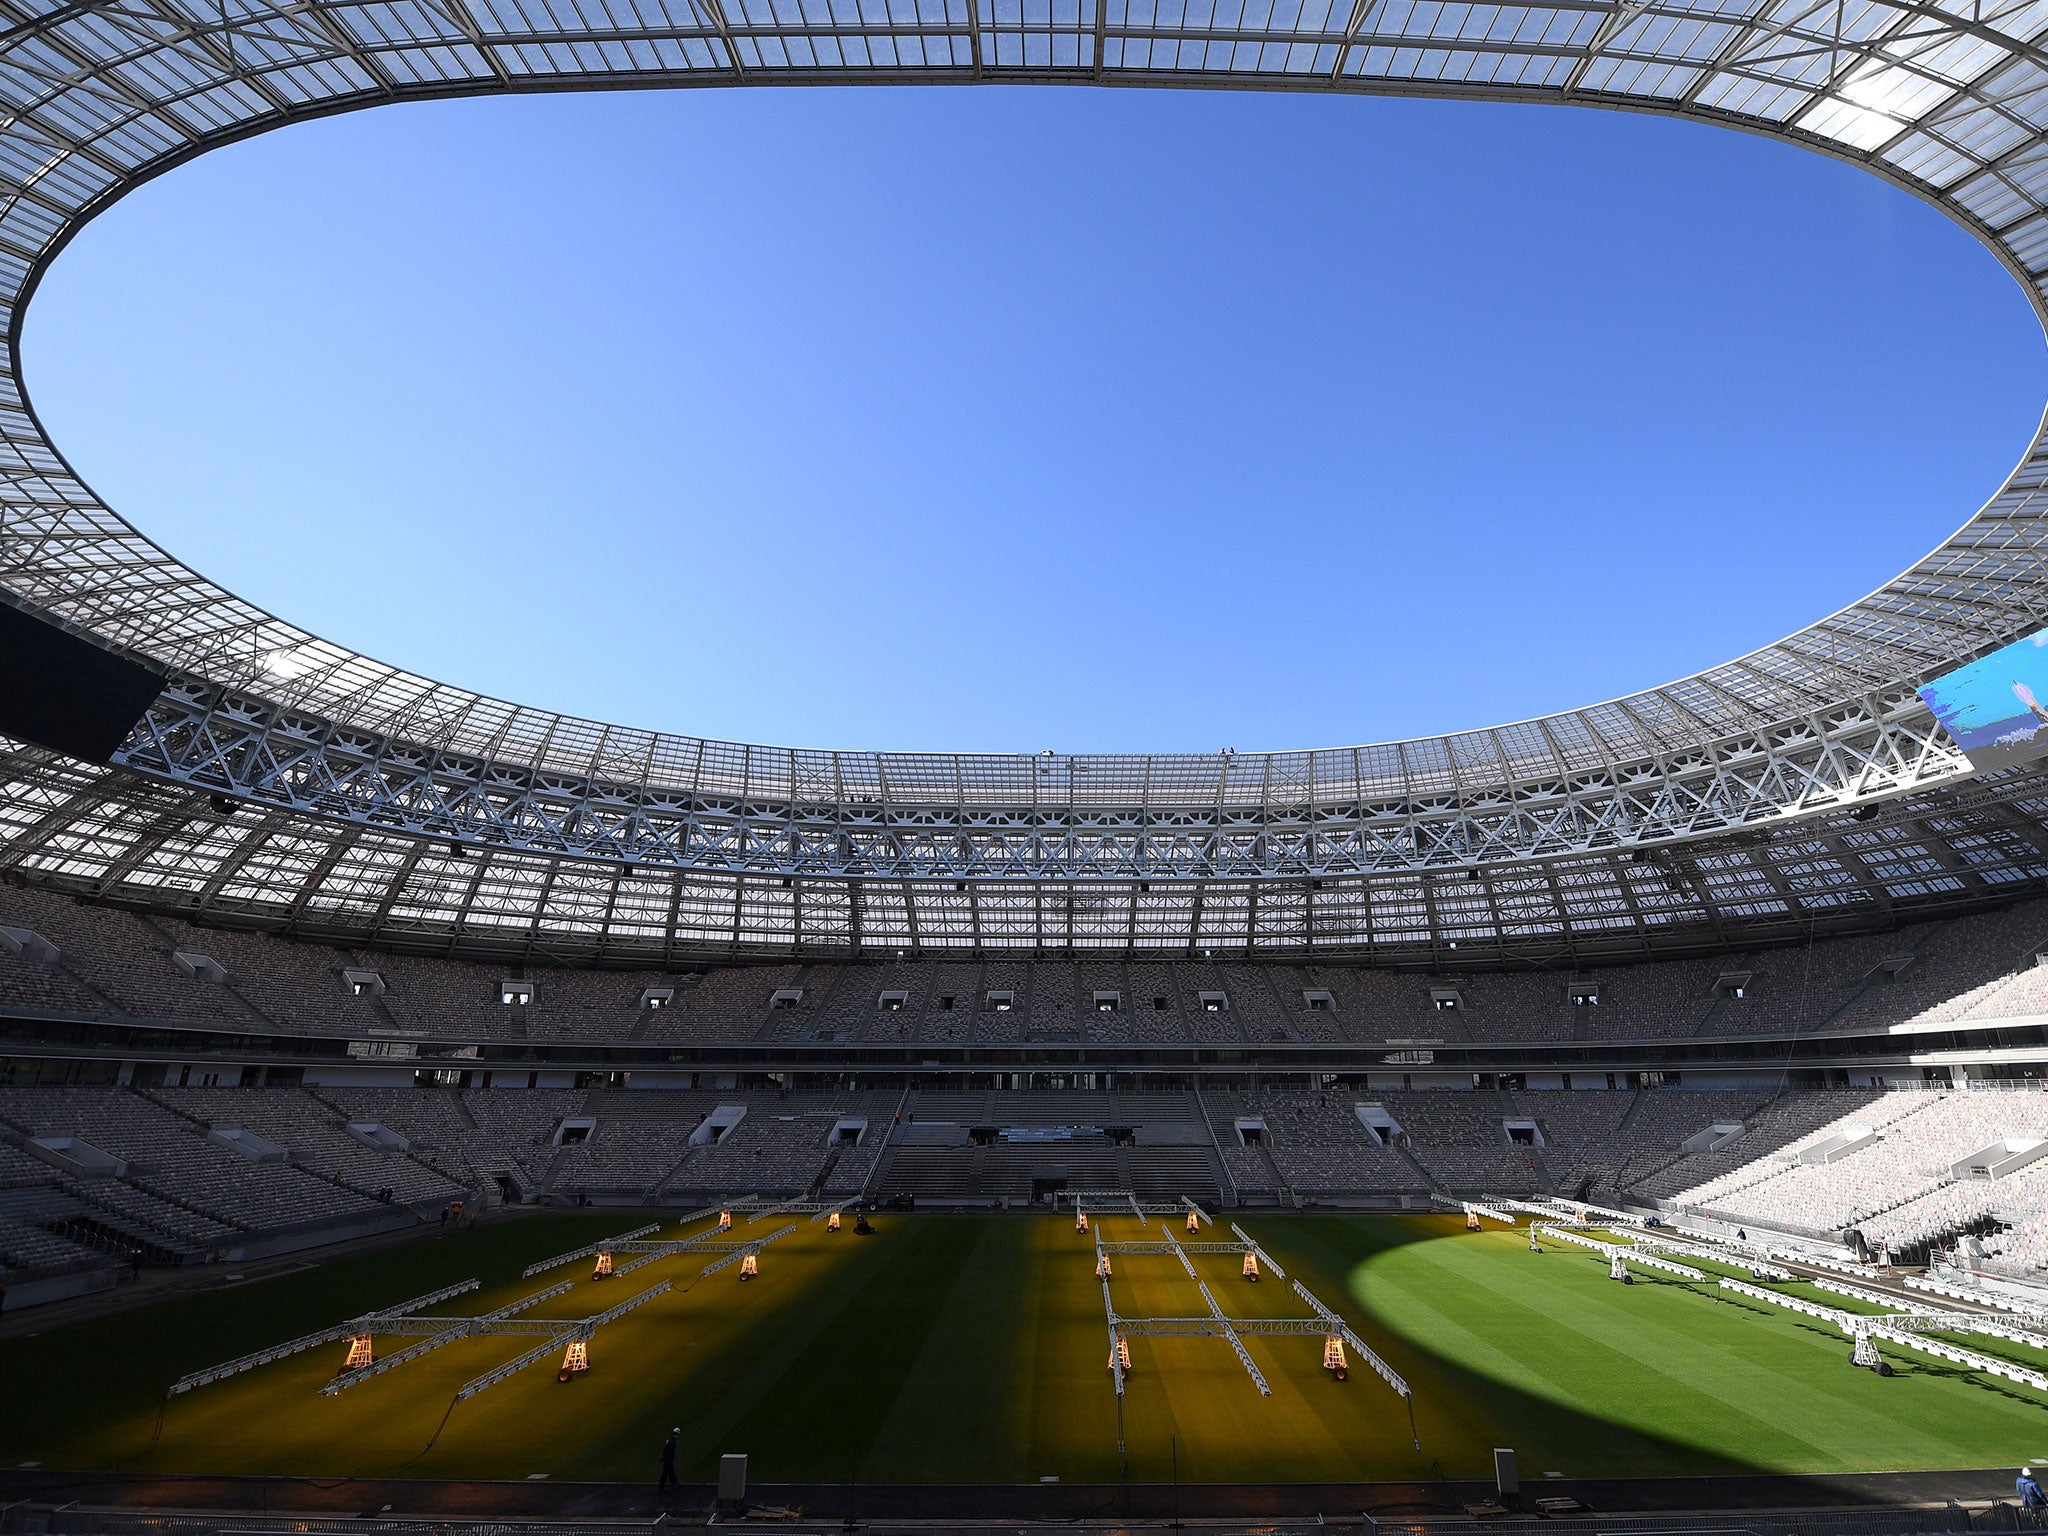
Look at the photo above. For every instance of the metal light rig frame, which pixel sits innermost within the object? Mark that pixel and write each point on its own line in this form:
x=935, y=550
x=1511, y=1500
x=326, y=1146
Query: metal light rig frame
x=1111, y=1199
x=649, y=1250
x=1325, y=1324
x=351, y=1329
x=571, y=1334
x=1494, y=1211
x=1756, y=1257
x=1246, y=1244
x=1906, y=1329
x=1619, y=1256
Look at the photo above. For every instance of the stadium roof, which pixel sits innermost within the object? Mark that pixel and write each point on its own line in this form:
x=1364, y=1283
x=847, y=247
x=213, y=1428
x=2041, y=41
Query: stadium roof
x=1602, y=828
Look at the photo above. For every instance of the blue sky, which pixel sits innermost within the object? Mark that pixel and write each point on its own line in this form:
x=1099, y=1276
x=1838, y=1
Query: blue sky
x=1021, y=418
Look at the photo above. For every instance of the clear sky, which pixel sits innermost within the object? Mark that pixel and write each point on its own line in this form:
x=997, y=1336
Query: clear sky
x=1011, y=418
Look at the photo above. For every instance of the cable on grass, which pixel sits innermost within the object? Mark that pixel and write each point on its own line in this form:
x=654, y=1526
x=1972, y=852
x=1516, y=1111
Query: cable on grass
x=436, y=1435
x=156, y=1433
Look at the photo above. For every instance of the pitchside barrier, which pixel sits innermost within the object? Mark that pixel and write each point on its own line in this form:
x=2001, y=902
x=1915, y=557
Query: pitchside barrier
x=1747, y=1522
x=107, y=1522
x=19, y=1520
x=1936, y=1520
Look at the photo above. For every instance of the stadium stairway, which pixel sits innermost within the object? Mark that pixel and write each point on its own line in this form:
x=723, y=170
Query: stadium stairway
x=480, y=1184
x=1167, y=1173
x=1428, y=1176
x=660, y=1186
x=171, y=944
x=65, y=1216
x=1634, y=1111
x=145, y=1189
x=294, y=1160
x=1633, y=1167
x=1277, y=1179
x=817, y=1185
x=1209, y=1113
x=931, y=1173
x=156, y=1188
x=115, y=1205
x=545, y=1183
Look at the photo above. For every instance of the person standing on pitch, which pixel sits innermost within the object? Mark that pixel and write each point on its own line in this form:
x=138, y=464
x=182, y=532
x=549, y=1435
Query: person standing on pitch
x=668, y=1460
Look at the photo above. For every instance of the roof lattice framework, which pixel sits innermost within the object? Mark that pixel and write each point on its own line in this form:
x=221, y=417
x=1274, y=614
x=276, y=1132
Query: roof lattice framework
x=1599, y=823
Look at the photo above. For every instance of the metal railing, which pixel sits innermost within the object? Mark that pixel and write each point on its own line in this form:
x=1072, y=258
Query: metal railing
x=1846, y=1522
x=25, y=1518
x=75, y=1521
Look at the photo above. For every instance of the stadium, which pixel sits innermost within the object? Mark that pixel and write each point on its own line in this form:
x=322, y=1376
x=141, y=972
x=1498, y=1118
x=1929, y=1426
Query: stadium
x=421, y=1110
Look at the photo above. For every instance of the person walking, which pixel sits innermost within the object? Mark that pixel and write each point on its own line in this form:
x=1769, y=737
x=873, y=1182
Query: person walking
x=668, y=1460
x=2031, y=1496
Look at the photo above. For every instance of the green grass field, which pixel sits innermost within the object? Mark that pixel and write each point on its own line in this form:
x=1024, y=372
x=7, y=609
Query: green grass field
x=965, y=1349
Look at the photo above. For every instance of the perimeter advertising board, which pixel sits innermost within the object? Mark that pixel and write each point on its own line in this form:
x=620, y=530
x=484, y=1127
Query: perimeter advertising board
x=1996, y=708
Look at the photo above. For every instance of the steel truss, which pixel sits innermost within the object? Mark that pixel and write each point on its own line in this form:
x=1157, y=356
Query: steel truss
x=354, y=1326
x=588, y=1250
x=121, y=837
x=436, y=1331
x=608, y=840
x=1693, y=1242
x=1721, y=1250
x=1502, y=1211
x=1618, y=1257
x=433, y=1331
x=1877, y=746
x=1219, y=1324
x=1112, y=1199
x=1908, y=1329
x=647, y=1249
x=1173, y=1247
x=1579, y=1213
x=2014, y=1329
x=735, y=1252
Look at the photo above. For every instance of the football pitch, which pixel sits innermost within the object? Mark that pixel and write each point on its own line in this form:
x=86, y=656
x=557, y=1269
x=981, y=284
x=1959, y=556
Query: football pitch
x=974, y=1349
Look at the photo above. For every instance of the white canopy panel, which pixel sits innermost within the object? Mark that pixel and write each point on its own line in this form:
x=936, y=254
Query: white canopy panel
x=1784, y=748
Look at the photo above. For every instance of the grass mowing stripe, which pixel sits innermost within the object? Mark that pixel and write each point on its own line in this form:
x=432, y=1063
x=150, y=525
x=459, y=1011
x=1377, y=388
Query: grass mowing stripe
x=973, y=1348
x=1454, y=1425
x=101, y=1415
x=1522, y=1349
x=1204, y=1407
x=920, y=1371
x=1650, y=1360
x=1649, y=1356
x=958, y=1372
x=1806, y=1409
x=1072, y=1405
x=800, y=1386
